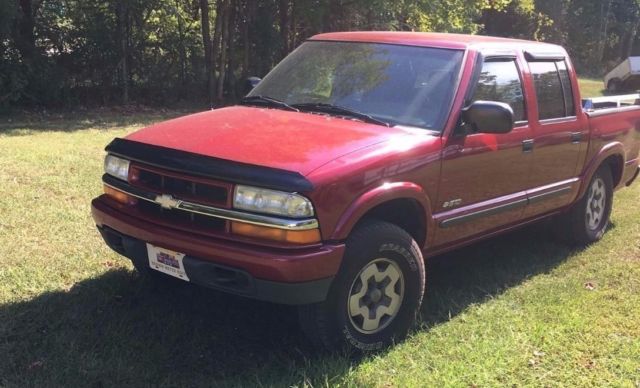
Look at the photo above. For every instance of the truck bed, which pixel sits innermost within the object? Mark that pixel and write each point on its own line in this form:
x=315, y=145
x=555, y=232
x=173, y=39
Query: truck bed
x=610, y=102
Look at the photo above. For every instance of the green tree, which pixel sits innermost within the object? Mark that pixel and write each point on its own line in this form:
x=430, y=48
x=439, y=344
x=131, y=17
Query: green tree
x=65, y=52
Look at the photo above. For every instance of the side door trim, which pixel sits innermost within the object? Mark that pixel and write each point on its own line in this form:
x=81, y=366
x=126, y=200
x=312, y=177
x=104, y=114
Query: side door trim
x=509, y=202
x=453, y=221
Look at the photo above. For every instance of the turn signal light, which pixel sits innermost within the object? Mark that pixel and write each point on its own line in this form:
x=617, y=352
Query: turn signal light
x=264, y=232
x=119, y=196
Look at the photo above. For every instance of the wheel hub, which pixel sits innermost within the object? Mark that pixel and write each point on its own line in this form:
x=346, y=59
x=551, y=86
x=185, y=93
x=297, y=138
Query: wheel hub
x=376, y=296
x=596, y=202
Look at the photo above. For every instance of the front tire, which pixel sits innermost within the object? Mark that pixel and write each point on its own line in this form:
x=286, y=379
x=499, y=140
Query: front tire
x=588, y=220
x=374, y=299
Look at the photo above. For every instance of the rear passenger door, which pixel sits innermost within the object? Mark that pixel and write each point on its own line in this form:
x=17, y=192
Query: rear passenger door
x=558, y=135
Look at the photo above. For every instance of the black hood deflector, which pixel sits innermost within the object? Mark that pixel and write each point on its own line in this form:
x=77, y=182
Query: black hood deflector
x=210, y=167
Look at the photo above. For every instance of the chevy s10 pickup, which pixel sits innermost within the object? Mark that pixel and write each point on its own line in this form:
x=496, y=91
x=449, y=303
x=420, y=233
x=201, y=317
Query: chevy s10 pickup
x=356, y=158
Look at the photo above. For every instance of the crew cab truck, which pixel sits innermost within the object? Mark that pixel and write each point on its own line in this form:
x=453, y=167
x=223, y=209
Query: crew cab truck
x=356, y=158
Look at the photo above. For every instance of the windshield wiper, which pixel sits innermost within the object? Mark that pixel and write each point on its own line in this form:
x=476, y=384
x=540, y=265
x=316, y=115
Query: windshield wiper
x=268, y=101
x=340, y=110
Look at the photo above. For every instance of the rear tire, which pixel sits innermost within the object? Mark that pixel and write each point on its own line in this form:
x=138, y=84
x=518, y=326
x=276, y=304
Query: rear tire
x=588, y=220
x=374, y=299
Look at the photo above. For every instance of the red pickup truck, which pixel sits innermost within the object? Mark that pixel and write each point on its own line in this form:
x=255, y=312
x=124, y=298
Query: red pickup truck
x=357, y=157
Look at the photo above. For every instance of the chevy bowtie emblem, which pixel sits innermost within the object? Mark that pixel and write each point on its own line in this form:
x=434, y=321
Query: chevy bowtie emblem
x=167, y=201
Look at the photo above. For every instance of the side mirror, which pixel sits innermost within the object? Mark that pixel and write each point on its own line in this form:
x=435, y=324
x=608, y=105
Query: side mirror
x=251, y=83
x=489, y=117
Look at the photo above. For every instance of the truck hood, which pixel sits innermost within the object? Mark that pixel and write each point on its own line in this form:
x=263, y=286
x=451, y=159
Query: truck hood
x=293, y=141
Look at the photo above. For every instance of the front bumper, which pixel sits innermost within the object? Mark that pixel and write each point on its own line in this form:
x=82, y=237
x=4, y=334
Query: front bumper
x=277, y=275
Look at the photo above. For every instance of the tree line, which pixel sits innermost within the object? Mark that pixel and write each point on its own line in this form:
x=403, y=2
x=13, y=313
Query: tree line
x=167, y=52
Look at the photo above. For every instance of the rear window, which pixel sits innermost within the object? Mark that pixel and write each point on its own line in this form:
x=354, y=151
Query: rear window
x=553, y=89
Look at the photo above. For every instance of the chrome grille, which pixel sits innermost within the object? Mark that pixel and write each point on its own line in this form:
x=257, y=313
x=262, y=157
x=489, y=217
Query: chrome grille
x=188, y=188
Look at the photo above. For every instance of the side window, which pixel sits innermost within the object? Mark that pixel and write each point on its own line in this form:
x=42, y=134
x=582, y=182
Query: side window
x=566, y=88
x=500, y=81
x=553, y=89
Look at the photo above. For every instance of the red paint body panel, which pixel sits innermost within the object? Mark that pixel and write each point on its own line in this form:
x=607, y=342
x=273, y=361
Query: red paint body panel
x=262, y=263
x=359, y=179
x=426, y=39
x=266, y=137
x=477, y=169
x=378, y=196
x=614, y=132
x=355, y=167
x=556, y=158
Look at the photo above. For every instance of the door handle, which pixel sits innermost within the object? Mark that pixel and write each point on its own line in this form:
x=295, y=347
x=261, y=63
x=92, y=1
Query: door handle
x=576, y=137
x=527, y=145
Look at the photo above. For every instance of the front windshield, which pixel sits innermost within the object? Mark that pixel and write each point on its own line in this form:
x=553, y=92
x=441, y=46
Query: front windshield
x=401, y=85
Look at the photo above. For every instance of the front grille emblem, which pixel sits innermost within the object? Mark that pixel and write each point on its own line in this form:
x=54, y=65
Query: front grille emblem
x=167, y=201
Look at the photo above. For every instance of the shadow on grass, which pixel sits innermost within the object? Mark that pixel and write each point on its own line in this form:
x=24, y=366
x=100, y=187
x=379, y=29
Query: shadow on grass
x=479, y=272
x=26, y=124
x=115, y=330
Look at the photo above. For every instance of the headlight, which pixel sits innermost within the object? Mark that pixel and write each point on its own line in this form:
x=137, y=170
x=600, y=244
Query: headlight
x=272, y=202
x=116, y=167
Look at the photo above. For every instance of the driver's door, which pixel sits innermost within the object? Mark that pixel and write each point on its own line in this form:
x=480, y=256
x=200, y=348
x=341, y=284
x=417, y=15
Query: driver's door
x=485, y=176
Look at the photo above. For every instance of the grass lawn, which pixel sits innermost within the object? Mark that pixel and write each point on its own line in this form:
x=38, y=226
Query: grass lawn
x=519, y=310
x=591, y=87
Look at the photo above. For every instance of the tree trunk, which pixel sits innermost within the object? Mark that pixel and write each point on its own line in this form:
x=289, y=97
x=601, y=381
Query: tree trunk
x=122, y=25
x=283, y=10
x=25, y=32
x=181, y=47
x=206, y=43
x=370, y=19
x=605, y=27
x=215, y=48
x=334, y=14
x=632, y=39
x=293, y=30
x=245, y=38
x=233, y=26
x=224, y=41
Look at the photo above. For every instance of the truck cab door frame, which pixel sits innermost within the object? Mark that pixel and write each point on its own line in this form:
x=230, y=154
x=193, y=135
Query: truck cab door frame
x=484, y=177
x=559, y=143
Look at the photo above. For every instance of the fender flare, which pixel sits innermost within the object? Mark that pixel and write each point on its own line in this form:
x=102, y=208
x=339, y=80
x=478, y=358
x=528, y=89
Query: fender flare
x=610, y=149
x=377, y=196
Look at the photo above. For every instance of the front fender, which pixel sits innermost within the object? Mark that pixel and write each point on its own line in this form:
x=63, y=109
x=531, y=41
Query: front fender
x=377, y=196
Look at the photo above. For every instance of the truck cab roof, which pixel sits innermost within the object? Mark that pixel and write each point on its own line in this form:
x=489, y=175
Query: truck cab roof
x=433, y=39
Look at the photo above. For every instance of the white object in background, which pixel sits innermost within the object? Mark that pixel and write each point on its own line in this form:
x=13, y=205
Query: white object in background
x=628, y=68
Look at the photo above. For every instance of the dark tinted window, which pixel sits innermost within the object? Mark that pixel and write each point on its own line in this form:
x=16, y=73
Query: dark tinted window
x=549, y=90
x=566, y=88
x=500, y=81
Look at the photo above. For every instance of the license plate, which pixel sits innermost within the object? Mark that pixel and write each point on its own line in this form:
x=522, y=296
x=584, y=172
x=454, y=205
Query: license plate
x=167, y=261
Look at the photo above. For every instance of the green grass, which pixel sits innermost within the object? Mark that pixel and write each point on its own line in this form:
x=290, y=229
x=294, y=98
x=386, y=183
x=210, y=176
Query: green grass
x=512, y=311
x=591, y=87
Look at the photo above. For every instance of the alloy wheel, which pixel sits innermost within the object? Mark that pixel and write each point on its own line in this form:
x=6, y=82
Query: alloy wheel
x=596, y=203
x=376, y=296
